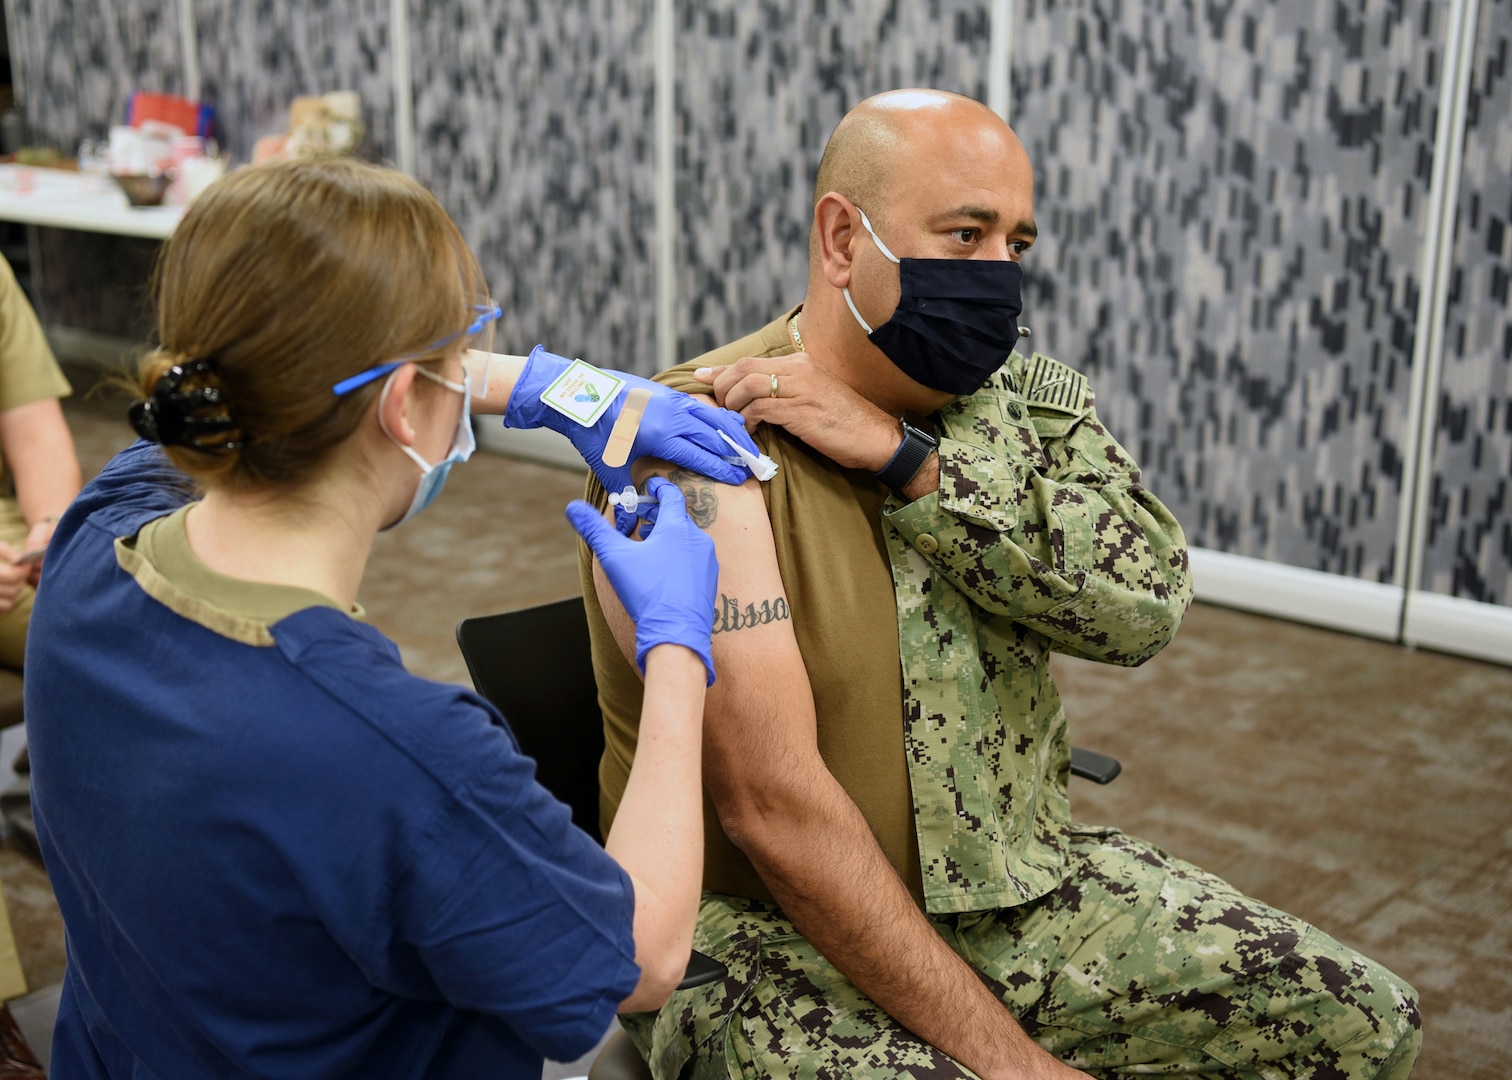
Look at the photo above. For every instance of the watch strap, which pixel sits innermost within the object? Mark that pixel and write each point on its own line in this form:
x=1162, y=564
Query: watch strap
x=911, y=454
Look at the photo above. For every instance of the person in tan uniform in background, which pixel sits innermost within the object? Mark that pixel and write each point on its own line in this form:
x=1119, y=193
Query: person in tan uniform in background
x=39, y=476
x=39, y=470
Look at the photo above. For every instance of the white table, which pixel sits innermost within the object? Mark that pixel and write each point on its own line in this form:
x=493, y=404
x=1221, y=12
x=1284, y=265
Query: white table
x=60, y=199
x=89, y=203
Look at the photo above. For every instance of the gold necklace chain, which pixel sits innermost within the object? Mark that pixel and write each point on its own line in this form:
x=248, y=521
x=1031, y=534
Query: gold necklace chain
x=793, y=329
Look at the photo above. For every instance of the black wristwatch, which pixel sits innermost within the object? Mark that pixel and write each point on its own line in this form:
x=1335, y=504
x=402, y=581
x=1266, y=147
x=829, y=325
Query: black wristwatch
x=911, y=454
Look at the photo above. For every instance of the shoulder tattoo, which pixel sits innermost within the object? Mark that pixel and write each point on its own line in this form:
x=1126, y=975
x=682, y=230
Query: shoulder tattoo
x=700, y=493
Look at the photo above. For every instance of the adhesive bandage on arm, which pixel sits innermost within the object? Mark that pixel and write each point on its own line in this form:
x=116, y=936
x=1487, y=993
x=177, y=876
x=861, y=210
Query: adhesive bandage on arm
x=626, y=425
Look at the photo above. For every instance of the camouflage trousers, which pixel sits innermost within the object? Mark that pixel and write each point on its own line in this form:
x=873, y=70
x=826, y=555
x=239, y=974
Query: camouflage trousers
x=1137, y=964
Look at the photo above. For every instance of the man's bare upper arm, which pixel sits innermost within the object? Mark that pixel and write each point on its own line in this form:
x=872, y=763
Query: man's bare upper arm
x=759, y=725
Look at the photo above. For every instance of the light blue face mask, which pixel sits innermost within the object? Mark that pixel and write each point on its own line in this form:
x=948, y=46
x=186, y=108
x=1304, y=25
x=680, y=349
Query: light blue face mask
x=433, y=477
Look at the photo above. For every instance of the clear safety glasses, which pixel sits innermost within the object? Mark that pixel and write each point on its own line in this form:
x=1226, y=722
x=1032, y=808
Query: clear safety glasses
x=485, y=313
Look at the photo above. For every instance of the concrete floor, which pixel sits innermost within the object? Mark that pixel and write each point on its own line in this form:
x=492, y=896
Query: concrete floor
x=1362, y=786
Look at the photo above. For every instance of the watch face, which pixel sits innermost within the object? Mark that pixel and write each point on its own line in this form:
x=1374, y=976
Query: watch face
x=910, y=431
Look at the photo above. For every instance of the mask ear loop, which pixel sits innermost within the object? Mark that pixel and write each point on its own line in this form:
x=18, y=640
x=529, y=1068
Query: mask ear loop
x=463, y=442
x=886, y=252
x=883, y=248
x=852, y=305
x=425, y=466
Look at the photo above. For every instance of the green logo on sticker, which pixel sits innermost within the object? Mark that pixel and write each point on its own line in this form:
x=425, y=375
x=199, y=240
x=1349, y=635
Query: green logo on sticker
x=590, y=393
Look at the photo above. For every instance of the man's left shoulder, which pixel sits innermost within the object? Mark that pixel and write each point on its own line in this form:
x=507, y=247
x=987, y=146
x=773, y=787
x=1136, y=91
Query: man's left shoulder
x=1046, y=383
x=1035, y=388
x=771, y=340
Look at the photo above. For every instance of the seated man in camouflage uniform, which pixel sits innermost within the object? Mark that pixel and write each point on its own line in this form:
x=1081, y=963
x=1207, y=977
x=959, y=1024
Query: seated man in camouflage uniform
x=894, y=879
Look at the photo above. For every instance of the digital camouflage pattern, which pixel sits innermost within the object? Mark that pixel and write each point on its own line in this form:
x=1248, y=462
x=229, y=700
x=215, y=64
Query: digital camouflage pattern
x=1137, y=963
x=1114, y=956
x=1039, y=538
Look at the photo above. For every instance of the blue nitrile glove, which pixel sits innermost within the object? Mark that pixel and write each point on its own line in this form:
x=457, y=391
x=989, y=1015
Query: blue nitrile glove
x=639, y=522
x=674, y=428
x=667, y=582
x=630, y=524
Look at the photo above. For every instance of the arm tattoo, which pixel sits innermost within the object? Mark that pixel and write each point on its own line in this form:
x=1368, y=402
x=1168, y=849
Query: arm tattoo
x=732, y=615
x=701, y=494
x=702, y=497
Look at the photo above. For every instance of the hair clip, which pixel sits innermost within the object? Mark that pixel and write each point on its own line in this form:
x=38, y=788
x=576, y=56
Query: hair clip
x=169, y=416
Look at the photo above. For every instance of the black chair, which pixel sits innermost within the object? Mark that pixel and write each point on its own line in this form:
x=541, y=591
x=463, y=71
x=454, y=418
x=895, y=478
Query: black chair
x=536, y=666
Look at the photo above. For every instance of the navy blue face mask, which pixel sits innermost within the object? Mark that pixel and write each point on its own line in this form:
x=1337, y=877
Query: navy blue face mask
x=956, y=320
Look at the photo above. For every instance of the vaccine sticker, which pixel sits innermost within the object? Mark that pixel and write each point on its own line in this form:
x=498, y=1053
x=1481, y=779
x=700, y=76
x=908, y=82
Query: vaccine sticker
x=582, y=392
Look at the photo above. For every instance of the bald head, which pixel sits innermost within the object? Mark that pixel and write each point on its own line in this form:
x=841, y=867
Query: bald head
x=940, y=177
x=889, y=136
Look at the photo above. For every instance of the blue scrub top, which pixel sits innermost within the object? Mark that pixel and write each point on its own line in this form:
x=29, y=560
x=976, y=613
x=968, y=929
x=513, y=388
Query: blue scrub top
x=294, y=859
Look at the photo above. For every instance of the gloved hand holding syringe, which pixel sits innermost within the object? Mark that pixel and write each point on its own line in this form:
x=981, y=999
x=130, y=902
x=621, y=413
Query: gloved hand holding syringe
x=613, y=417
x=640, y=502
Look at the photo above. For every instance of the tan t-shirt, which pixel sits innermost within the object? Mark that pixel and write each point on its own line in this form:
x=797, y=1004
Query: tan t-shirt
x=165, y=566
x=826, y=523
x=28, y=370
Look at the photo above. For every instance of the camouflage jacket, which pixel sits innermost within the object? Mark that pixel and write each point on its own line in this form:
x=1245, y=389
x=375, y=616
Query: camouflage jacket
x=1039, y=539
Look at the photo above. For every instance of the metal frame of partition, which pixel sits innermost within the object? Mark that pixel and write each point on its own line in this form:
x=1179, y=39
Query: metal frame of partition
x=1428, y=618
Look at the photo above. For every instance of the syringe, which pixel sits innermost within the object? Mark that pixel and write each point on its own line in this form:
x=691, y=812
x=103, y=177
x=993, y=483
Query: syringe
x=632, y=501
x=761, y=467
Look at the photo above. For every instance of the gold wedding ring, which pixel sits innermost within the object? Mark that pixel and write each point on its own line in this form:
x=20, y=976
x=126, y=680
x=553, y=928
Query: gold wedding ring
x=774, y=386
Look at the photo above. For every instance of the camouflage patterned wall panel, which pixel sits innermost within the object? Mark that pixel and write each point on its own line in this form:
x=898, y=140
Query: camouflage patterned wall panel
x=77, y=61
x=256, y=56
x=760, y=83
x=1232, y=201
x=533, y=126
x=1469, y=540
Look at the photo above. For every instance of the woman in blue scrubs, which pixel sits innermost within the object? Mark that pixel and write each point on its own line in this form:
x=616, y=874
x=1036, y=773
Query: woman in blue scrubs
x=278, y=853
